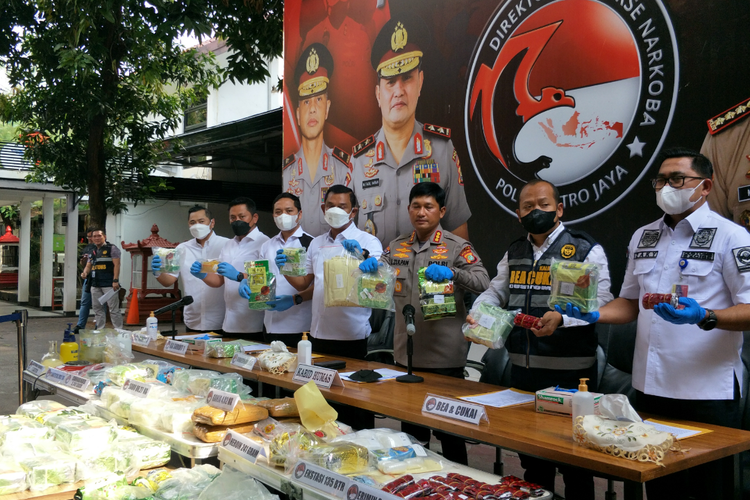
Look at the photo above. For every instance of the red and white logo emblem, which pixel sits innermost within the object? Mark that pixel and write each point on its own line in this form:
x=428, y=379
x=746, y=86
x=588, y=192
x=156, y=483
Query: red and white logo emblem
x=580, y=93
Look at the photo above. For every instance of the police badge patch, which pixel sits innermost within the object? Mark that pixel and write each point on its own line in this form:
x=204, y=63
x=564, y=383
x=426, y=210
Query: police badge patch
x=703, y=237
x=649, y=238
x=742, y=258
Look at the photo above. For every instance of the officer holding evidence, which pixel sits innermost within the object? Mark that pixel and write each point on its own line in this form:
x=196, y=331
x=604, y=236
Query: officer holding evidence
x=404, y=152
x=439, y=346
x=315, y=167
x=553, y=355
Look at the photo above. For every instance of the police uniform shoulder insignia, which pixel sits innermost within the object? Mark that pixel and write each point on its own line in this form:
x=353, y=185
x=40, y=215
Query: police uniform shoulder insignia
x=649, y=238
x=438, y=237
x=411, y=238
x=438, y=257
x=342, y=155
x=288, y=161
x=703, y=237
x=387, y=251
x=567, y=251
x=438, y=130
x=458, y=167
x=468, y=254
x=742, y=258
x=728, y=117
x=361, y=147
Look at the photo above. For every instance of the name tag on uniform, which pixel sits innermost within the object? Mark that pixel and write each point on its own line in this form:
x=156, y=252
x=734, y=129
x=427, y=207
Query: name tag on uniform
x=375, y=183
x=651, y=254
x=743, y=193
x=698, y=255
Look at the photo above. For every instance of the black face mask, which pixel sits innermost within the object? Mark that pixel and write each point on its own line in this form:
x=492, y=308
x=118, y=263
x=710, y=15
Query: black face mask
x=538, y=221
x=240, y=228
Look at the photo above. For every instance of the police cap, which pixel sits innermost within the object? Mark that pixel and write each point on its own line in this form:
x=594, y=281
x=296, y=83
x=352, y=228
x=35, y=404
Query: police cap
x=314, y=68
x=398, y=46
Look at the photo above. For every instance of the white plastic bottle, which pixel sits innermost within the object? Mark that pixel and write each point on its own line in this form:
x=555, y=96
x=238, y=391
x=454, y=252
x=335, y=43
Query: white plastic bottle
x=304, y=351
x=152, y=325
x=583, y=401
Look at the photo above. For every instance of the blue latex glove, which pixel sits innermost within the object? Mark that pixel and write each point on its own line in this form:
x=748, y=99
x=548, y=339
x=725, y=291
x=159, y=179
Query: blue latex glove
x=280, y=258
x=195, y=270
x=244, y=290
x=438, y=273
x=282, y=302
x=227, y=270
x=352, y=246
x=156, y=265
x=369, y=265
x=573, y=312
x=692, y=314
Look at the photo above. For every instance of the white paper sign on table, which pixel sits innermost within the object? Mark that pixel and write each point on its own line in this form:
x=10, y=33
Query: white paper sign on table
x=243, y=446
x=36, y=368
x=222, y=400
x=500, y=399
x=136, y=388
x=77, y=382
x=176, y=347
x=453, y=408
x=362, y=491
x=243, y=361
x=56, y=375
x=323, y=377
x=141, y=339
x=321, y=479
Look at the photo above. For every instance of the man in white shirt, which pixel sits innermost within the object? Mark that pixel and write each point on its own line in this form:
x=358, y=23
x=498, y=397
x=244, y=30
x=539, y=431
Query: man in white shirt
x=292, y=311
x=206, y=313
x=552, y=355
x=692, y=371
x=239, y=320
x=341, y=331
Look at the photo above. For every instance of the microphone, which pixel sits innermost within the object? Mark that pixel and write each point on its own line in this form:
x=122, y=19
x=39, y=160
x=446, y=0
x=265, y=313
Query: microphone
x=185, y=301
x=408, y=313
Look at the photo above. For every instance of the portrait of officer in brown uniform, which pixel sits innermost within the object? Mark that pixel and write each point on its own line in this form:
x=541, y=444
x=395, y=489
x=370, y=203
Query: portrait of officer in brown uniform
x=404, y=152
x=315, y=167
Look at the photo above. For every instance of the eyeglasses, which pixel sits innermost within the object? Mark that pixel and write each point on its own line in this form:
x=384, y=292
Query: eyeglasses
x=676, y=182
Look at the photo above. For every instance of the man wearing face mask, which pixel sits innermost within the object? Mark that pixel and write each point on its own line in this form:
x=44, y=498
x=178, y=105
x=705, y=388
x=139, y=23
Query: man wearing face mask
x=206, y=313
x=339, y=331
x=292, y=311
x=687, y=361
x=239, y=320
x=564, y=349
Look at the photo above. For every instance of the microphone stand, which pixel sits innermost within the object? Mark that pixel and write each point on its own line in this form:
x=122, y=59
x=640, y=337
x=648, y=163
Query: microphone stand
x=173, y=331
x=410, y=378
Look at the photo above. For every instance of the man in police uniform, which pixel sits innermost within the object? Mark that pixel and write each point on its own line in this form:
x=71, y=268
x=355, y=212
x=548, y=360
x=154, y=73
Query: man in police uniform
x=439, y=346
x=316, y=167
x=83, y=314
x=404, y=152
x=727, y=145
x=104, y=268
x=554, y=354
x=692, y=371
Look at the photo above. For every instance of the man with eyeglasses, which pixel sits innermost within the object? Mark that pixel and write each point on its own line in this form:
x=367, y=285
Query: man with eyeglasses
x=687, y=359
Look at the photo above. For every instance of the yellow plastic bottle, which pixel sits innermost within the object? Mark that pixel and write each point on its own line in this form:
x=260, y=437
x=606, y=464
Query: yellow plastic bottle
x=69, y=346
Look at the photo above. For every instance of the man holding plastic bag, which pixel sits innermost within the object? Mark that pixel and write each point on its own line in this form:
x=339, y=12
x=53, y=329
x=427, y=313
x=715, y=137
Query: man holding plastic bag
x=331, y=259
x=433, y=270
x=556, y=353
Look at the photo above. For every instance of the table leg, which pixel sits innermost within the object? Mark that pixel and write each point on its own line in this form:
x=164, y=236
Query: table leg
x=633, y=490
x=499, y=466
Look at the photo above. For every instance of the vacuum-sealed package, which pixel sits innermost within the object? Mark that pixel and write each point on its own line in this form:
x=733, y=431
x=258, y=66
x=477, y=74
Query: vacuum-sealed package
x=576, y=283
x=492, y=327
x=437, y=299
x=170, y=258
x=295, y=262
x=223, y=349
x=339, y=267
x=374, y=290
x=209, y=266
x=262, y=284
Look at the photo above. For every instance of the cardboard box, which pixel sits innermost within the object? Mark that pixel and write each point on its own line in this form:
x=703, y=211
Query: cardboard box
x=557, y=402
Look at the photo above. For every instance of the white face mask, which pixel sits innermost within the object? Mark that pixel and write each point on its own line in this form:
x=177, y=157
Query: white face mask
x=336, y=217
x=676, y=201
x=200, y=231
x=286, y=222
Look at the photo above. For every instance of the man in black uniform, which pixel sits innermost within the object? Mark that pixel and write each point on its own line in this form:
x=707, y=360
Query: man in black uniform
x=104, y=269
x=83, y=314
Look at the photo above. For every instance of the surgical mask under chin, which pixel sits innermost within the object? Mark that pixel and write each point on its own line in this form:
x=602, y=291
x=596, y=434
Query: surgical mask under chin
x=676, y=201
x=285, y=222
x=240, y=228
x=538, y=221
x=336, y=217
x=200, y=231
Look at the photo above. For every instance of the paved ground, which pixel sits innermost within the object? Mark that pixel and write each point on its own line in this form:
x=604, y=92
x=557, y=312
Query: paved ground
x=46, y=326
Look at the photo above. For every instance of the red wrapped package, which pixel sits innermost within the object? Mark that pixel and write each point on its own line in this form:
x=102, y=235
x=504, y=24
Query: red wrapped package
x=411, y=491
x=527, y=321
x=521, y=494
x=459, y=477
x=470, y=491
x=398, y=484
x=649, y=300
x=426, y=486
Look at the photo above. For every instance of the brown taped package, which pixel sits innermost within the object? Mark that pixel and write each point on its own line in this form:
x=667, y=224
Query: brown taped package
x=215, y=433
x=242, y=413
x=284, y=407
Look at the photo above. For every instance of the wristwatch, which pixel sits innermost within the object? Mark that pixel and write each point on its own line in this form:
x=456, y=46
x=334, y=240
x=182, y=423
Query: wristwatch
x=115, y=281
x=239, y=278
x=297, y=299
x=709, y=322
